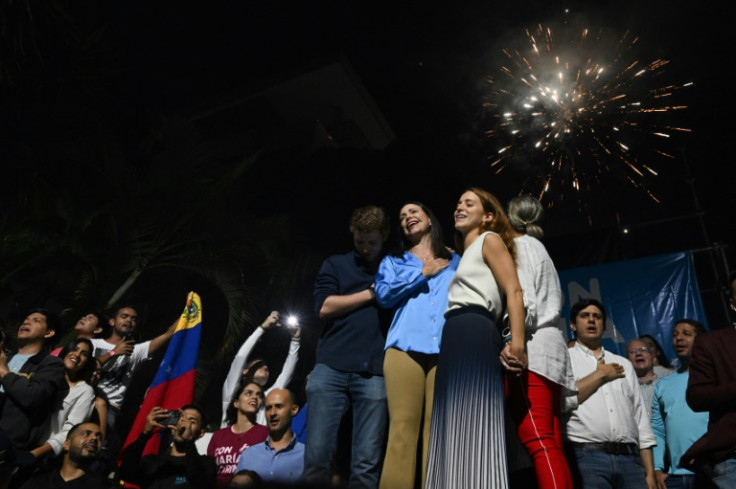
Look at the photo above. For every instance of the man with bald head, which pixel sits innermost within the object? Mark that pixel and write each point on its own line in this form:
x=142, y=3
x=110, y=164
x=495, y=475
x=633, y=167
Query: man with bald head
x=280, y=458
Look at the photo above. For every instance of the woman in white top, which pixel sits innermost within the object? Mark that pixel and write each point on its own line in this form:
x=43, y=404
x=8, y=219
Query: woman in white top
x=467, y=446
x=535, y=395
x=78, y=403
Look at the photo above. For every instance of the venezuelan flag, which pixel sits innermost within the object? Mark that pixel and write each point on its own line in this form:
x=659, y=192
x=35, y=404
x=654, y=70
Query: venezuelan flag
x=173, y=384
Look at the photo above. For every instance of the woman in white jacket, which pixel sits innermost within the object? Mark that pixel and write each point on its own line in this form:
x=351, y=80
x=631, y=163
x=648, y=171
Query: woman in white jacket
x=534, y=394
x=78, y=403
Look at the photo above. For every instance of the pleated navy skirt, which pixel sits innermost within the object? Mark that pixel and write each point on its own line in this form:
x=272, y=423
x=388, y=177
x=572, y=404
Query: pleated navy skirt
x=467, y=446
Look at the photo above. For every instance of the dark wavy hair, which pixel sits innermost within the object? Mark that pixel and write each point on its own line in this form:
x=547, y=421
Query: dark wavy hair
x=661, y=357
x=582, y=304
x=231, y=413
x=85, y=372
x=436, y=236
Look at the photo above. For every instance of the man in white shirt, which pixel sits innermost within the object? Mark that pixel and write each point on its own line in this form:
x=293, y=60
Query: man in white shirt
x=120, y=356
x=607, y=428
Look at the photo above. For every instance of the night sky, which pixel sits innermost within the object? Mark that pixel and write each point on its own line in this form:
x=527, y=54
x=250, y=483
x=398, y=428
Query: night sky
x=423, y=64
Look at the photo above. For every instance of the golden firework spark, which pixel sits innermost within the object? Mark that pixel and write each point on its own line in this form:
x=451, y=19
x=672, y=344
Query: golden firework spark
x=577, y=107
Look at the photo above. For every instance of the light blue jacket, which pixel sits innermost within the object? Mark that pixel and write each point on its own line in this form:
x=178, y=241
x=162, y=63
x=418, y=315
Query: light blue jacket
x=421, y=302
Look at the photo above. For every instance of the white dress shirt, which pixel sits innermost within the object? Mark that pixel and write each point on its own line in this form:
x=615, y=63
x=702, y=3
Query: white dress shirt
x=614, y=412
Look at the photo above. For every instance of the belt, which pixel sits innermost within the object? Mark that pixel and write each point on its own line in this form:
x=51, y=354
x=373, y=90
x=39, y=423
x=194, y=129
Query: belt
x=610, y=447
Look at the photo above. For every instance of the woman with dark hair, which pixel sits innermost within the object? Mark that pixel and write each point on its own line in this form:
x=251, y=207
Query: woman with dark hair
x=413, y=280
x=467, y=445
x=535, y=395
x=242, y=369
x=242, y=431
x=662, y=365
x=79, y=402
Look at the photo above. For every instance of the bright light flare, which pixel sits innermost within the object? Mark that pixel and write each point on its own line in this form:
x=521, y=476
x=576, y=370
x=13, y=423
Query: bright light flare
x=574, y=106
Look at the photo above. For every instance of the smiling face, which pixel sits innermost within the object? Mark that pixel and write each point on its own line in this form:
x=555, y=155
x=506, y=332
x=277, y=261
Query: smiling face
x=588, y=326
x=469, y=213
x=414, y=222
x=250, y=399
x=76, y=359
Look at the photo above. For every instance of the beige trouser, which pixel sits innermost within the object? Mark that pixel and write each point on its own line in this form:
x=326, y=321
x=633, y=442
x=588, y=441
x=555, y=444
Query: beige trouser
x=409, y=392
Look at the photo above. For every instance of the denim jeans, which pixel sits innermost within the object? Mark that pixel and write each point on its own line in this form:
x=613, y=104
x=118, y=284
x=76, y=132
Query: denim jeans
x=330, y=394
x=688, y=482
x=596, y=469
x=725, y=474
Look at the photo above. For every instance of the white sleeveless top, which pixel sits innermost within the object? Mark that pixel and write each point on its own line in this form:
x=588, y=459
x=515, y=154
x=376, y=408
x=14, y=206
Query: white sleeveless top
x=474, y=284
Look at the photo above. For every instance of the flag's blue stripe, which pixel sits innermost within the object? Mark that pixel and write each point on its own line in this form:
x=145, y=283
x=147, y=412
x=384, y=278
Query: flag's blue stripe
x=181, y=355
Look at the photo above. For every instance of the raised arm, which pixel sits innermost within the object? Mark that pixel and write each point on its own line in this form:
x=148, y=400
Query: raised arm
x=287, y=371
x=238, y=364
x=162, y=339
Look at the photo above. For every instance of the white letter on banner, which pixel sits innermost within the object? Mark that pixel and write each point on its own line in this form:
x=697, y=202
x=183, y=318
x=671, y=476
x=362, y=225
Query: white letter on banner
x=575, y=291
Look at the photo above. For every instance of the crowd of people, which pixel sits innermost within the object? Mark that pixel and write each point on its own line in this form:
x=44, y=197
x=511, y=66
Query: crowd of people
x=438, y=366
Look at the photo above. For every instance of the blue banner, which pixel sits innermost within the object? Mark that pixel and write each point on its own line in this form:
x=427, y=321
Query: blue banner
x=641, y=296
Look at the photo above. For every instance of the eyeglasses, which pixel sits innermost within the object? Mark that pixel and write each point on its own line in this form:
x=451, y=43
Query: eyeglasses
x=642, y=349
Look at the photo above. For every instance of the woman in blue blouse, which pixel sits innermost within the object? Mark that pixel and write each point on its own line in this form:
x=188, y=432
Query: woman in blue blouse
x=413, y=280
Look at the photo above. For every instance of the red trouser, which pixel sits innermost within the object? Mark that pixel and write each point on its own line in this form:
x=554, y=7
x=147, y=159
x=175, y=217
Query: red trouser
x=536, y=407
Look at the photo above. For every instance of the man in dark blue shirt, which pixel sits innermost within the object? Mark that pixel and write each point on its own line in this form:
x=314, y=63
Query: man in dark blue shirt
x=348, y=371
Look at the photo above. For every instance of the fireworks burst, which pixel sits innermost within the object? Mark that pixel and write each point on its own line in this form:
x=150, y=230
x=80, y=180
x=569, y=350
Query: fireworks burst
x=581, y=109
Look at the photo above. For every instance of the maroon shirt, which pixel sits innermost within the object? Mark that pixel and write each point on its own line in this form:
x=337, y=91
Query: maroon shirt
x=226, y=447
x=712, y=387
